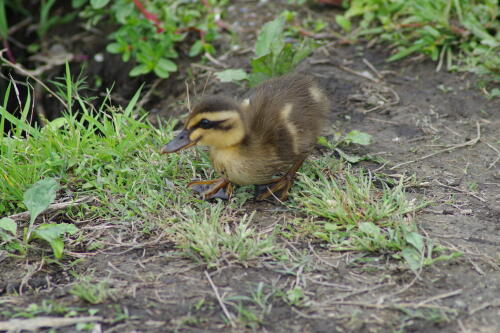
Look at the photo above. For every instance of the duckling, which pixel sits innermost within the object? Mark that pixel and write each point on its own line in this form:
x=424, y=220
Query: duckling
x=262, y=140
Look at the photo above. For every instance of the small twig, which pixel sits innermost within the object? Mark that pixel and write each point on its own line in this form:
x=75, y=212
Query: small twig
x=374, y=70
x=16, y=27
x=27, y=73
x=323, y=260
x=331, y=285
x=221, y=303
x=394, y=306
x=27, y=277
x=460, y=190
x=359, y=291
x=481, y=307
x=53, y=207
x=466, y=144
x=34, y=324
x=498, y=156
x=205, y=85
x=382, y=120
x=383, y=105
x=188, y=99
x=215, y=61
x=16, y=90
x=438, y=297
x=304, y=315
x=360, y=74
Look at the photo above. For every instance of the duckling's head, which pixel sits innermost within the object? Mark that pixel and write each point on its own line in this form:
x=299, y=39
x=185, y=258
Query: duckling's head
x=216, y=122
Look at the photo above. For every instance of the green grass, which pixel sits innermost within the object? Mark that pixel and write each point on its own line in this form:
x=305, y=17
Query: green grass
x=91, y=292
x=458, y=34
x=111, y=154
x=357, y=211
x=214, y=238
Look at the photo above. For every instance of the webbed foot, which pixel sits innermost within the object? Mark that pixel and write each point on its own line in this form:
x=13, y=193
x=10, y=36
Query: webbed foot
x=211, y=189
x=279, y=188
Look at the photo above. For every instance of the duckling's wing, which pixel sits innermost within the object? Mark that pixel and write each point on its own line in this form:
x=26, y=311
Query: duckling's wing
x=287, y=112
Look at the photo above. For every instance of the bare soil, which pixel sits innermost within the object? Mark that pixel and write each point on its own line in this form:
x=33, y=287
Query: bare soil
x=435, y=125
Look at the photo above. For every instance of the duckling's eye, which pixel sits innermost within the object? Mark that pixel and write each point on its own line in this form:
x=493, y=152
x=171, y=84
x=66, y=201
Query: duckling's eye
x=205, y=123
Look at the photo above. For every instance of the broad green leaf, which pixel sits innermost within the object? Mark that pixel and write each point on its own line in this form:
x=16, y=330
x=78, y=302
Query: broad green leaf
x=97, y=4
x=196, y=48
x=343, y=22
x=161, y=72
x=416, y=240
x=164, y=67
x=114, y=48
x=230, y=75
x=52, y=233
x=8, y=224
x=78, y=3
x=139, y=70
x=412, y=257
x=270, y=38
x=358, y=137
x=40, y=196
x=167, y=65
x=495, y=92
x=321, y=140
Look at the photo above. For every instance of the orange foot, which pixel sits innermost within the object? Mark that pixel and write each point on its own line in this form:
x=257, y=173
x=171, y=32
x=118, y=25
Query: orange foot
x=282, y=185
x=211, y=189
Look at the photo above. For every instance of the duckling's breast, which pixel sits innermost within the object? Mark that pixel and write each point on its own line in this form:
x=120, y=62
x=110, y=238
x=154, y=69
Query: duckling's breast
x=244, y=168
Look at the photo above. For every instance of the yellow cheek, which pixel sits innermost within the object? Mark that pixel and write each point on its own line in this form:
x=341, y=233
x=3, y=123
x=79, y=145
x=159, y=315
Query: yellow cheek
x=196, y=134
x=212, y=139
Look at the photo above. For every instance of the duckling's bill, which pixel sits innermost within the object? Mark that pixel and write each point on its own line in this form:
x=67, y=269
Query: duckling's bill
x=181, y=141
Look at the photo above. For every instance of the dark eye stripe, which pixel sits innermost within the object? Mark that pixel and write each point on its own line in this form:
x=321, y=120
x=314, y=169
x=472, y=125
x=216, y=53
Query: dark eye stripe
x=207, y=124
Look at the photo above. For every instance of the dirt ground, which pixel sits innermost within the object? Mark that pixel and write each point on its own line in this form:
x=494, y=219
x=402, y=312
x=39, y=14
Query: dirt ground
x=435, y=125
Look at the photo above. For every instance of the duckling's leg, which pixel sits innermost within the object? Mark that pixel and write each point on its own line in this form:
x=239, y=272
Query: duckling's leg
x=282, y=185
x=211, y=189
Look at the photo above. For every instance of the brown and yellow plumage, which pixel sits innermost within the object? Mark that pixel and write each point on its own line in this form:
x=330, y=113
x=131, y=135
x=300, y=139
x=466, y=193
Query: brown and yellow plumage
x=267, y=135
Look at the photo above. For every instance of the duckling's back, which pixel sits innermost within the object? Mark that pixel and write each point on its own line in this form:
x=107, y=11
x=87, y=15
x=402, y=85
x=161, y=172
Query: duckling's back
x=286, y=113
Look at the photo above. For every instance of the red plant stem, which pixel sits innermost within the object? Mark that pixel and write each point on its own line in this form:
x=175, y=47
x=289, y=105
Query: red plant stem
x=149, y=16
x=10, y=56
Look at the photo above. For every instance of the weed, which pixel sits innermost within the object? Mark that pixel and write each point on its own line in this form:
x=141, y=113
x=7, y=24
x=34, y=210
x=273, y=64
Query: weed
x=206, y=238
x=353, y=137
x=273, y=56
x=463, y=34
x=296, y=297
x=359, y=216
x=93, y=293
x=251, y=310
x=149, y=32
x=46, y=307
x=37, y=199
